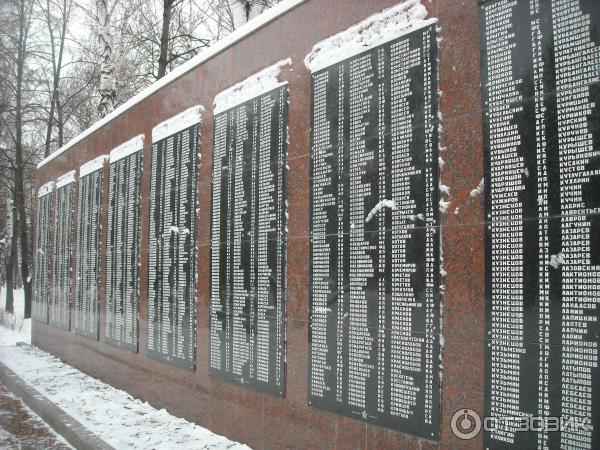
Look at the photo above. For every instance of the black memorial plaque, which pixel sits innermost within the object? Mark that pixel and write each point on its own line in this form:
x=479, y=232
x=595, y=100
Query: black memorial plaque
x=60, y=298
x=123, y=252
x=541, y=101
x=86, y=313
x=374, y=255
x=43, y=261
x=172, y=245
x=248, y=250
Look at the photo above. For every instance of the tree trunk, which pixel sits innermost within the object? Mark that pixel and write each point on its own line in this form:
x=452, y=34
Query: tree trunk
x=50, y=123
x=163, y=59
x=12, y=259
x=108, y=86
x=10, y=271
x=24, y=238
x=54, y=93
x=244, y=10
x=60, y=123
x=56, y=70
x=21, y=223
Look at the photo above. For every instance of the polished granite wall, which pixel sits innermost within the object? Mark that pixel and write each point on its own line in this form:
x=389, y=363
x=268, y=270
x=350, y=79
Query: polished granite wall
x=261, y=420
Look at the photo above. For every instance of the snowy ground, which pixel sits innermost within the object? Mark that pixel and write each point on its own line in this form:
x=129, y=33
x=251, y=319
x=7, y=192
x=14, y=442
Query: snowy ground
x=22, y=328
x=113, y=415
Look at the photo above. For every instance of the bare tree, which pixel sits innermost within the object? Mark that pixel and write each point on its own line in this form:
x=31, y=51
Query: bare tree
x=232, y=14
x=168, y=6
x=9, y=245
x=25, y=14
x=12, y=256
x=252, y=8
x=108, y=86
x=56, y=14
x=54, y=86
x=169, y=42
x=20, y=15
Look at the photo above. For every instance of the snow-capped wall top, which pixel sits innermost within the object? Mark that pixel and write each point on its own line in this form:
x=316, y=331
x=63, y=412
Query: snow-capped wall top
x=261, y=82
x=65, y=179
x=255, y=24
x=375, y=30
x=92, y=166
x=45, y=189
x=127, y=148
x=181, y=121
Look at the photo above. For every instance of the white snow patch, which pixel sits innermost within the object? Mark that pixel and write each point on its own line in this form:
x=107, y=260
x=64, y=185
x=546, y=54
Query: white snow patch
x=254, y=86
x=444, y=206
x=45, y=189
x=444, y=189
x=253, y=25
x=111, y=414
x=557, y=260
x=375, y=30
x=441, y=162
x=19, y=329
x=20, y=333
x=181, y=121
x=92, y=166
x=127, y=148
x=478, y=190
x=414, y=217
x=379, y=206
x=65, y=179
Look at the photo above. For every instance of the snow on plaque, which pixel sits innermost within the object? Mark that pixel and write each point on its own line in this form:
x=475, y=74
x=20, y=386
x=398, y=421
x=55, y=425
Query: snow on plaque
x=172, y=239
x=123, y=245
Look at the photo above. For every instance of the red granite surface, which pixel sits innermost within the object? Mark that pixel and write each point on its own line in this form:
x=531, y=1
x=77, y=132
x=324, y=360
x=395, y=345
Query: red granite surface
x=260, y=420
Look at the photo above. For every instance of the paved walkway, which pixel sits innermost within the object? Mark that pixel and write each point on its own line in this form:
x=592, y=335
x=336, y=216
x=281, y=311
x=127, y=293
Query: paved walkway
x=21, y=429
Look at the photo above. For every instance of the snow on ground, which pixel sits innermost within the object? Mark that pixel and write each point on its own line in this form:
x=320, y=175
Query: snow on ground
x=111, y=414
x=20, y=329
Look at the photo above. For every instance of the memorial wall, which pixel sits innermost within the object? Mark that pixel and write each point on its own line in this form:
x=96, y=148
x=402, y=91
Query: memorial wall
x=123, y=245
x=172, y=239
x=541, y=90
x=43, y=254
x=87, y=284
x=248, y=239
x=390, y=238
x=60, y=284
x=374, y=293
